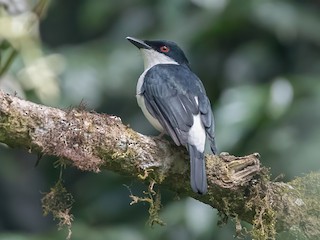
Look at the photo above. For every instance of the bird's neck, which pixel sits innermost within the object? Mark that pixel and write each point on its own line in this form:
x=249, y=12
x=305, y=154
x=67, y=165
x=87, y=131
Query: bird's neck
x=152, y=58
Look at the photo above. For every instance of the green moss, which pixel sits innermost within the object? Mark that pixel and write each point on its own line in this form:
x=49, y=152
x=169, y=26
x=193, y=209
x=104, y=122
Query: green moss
x=308, y=189
x=264, y=219
x=257, y=207
x=153, y=198
x=14, y=124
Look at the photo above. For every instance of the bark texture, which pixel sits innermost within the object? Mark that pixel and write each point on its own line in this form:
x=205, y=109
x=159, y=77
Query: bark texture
x=237, y=186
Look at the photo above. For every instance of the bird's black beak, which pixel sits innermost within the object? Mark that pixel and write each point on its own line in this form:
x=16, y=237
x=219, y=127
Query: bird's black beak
x=138, y=43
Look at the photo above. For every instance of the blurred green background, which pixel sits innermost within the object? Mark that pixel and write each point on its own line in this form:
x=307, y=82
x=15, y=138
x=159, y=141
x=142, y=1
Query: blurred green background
x=259, y=62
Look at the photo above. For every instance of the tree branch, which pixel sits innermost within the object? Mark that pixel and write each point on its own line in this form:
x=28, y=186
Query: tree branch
x=237, y=186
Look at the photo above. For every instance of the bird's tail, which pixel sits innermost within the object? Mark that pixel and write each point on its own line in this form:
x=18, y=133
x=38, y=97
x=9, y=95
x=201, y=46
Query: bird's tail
x=198, y=175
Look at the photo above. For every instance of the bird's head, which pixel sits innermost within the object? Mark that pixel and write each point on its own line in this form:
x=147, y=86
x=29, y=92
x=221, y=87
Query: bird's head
x=159, y=52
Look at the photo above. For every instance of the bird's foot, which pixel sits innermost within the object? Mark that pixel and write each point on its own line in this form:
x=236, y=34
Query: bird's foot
x=160, y=136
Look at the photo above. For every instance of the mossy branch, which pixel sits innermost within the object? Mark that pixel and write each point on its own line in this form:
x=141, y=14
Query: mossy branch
x=237, y=186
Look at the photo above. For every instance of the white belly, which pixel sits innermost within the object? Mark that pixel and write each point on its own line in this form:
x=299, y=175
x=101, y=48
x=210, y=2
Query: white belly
x=154, y=122
x=140, y=99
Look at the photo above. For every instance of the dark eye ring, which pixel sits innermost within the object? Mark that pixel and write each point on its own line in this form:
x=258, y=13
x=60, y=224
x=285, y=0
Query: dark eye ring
x=164, y=49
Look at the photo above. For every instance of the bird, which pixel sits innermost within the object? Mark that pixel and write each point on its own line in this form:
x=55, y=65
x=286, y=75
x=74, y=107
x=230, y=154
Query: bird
x=174, y=101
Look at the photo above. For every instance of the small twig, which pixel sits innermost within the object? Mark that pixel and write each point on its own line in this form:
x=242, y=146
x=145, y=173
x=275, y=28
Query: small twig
x=8, y=63
x=41, y=8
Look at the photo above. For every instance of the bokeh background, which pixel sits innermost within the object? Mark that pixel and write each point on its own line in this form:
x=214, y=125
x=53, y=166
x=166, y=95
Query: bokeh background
x=259, y=62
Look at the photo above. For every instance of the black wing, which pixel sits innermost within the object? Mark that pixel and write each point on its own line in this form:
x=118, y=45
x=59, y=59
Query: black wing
x=171, y=93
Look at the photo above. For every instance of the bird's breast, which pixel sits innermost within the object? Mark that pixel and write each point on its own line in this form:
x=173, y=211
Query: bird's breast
x=140, y=82
x=141, y=102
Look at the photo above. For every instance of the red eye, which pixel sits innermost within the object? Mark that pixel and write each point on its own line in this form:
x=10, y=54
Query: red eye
x=164, y=49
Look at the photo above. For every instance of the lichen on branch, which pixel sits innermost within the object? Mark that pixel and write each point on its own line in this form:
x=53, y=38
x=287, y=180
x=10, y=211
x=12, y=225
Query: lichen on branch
x=239, y=187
